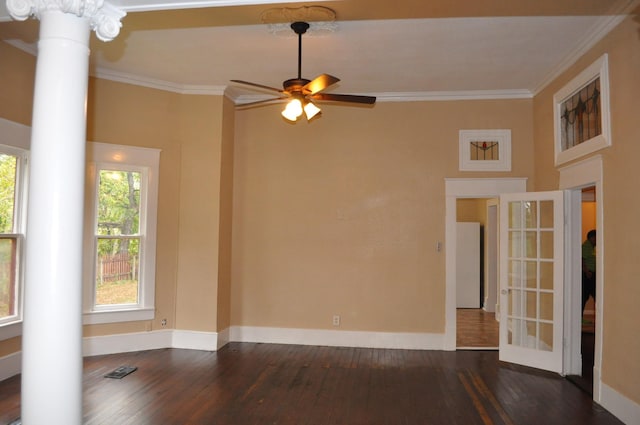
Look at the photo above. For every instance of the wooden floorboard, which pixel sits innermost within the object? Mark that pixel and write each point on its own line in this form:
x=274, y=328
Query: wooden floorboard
x=258, y=384
x=476, y=328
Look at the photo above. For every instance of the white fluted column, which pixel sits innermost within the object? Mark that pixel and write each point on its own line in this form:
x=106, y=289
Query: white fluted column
x=52, y=327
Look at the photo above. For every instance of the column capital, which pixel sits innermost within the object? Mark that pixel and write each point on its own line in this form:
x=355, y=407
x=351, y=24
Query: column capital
x=104, y=18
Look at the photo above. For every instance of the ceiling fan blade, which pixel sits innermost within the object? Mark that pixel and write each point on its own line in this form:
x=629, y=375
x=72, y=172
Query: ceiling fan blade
x=320, y=83
x=369, y=100
x=258, y=85
x=258, y=102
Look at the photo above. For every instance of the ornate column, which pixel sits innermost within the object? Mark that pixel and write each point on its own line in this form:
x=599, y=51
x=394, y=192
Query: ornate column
x=52, y=326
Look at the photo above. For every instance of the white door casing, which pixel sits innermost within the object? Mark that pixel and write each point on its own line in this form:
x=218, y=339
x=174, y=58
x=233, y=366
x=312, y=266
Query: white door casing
x=456, y=188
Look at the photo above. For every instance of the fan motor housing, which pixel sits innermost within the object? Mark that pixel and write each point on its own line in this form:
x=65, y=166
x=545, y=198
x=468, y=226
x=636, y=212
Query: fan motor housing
x=295, y=84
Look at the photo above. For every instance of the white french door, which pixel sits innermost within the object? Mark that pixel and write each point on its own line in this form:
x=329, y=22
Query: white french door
x=531, y=279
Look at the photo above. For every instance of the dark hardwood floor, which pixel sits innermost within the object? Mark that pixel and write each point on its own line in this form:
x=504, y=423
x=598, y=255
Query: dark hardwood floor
x=247, y=383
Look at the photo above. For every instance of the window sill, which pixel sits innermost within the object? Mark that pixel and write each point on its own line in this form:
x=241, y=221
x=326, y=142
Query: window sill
x=115, y=316
x=10, y=330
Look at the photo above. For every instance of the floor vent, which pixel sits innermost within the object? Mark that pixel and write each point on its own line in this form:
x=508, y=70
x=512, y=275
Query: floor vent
x=121, y=372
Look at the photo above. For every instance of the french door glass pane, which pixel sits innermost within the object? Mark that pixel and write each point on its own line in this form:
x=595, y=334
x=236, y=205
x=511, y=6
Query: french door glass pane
x=546, y=275
x=530, y=264
x=546, y=244
x=530, y=214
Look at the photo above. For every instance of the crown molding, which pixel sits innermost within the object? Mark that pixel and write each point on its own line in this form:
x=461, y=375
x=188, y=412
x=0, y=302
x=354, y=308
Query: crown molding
x=604, y=27
x=427, y=96
x=238, y=98
x=122, y=77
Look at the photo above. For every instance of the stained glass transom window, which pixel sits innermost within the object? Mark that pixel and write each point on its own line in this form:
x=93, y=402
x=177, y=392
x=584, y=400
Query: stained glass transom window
x=580, y=115
x=483, y=150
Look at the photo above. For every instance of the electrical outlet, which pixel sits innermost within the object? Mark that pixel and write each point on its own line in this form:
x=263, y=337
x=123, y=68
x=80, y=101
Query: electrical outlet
x=163, y=322
x=336, y=320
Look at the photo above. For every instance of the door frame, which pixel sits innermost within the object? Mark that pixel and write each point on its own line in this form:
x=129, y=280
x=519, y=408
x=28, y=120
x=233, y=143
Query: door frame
x=573, y=178
x=456, y=188
x=490, y=301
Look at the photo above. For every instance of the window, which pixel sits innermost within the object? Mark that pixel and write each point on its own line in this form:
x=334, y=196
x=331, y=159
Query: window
x=120, y=233
x=14, y=138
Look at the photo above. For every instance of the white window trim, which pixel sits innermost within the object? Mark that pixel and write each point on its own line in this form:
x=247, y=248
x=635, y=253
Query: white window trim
x=600, y=68
x=101, y=156
x=16, y=139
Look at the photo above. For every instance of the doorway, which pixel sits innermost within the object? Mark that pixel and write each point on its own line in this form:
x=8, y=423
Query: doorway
x=476, y=285
x=584, y=380
x=584, y=175
x=463, y=189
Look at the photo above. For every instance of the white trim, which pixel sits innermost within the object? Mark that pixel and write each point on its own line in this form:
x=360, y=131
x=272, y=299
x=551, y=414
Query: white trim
x=15, y=139
x=212, y=341
x=238, y=97
x=194, y=340
x=15, y=134
x=398, y=340
x=10, y=365
x=620, y=406
x=223, y=338
x=501, y=136
x=602, y=28
x=147, y=162
x=426, y=96
x=97, y=317
x=148, y=5
x=137, y=80
x=124, y=343
x=465, y=188
x=590, y=172
x=10, y=330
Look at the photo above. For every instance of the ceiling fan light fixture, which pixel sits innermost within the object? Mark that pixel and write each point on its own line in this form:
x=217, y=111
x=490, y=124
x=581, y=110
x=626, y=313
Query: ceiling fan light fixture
x=293, y=110
x=311, y=110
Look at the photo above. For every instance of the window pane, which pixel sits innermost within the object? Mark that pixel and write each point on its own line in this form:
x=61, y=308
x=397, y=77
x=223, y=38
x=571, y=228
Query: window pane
x=7, y=276
x=118, y=203
x=7, y=192
x=117, y=271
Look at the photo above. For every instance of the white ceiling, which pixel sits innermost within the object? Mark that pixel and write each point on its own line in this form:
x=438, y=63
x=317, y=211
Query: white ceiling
x=482, y=56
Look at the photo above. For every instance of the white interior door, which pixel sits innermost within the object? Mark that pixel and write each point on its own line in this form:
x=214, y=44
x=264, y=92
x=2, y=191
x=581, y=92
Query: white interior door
x=531, y=279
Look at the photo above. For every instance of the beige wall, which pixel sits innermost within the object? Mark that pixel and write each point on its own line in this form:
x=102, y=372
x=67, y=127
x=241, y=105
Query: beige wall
x=472, y=210
x=200, y=203
x=342, y=215
x=619, y=238
x=132, y=115
x=226, y=216
x=17, y=73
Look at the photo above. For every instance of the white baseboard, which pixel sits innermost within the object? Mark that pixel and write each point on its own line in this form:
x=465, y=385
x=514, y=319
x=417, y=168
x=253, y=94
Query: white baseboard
x=123, y=343
x=193, y=340
x=408, y=341
x=211, y=341
x=223, y=338
x=620, y=406
x=10, y=365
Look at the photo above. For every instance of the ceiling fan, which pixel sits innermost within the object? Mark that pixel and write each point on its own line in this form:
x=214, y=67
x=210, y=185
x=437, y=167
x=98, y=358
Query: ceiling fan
x=302, y=92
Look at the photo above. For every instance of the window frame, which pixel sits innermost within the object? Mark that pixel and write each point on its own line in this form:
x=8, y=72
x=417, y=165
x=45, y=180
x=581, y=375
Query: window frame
x=104, y=156
x=15, y=140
